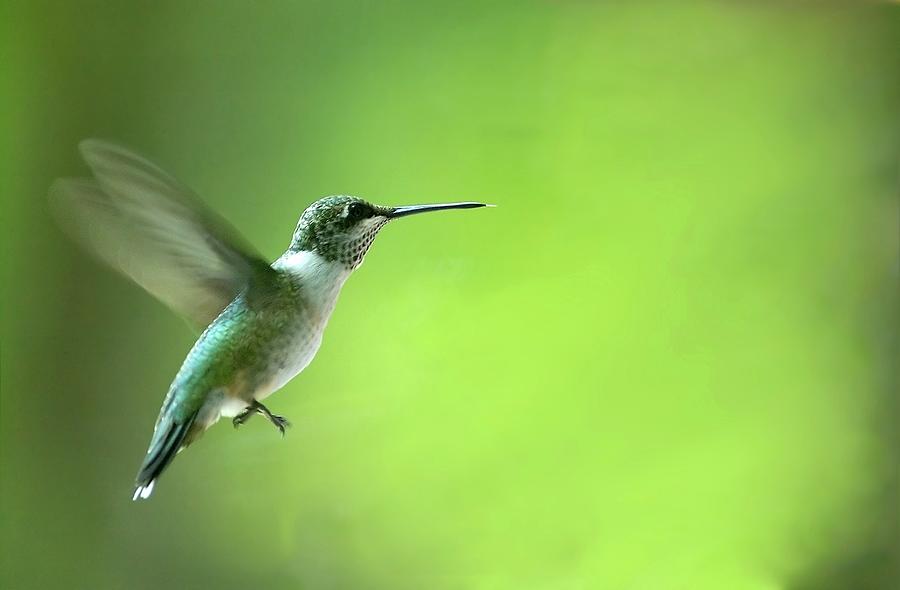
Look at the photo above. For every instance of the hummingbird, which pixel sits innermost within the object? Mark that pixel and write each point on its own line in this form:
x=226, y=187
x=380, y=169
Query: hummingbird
x=261, y=323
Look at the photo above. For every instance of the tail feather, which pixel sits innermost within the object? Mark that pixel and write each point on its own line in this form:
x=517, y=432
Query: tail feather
x=161, y=453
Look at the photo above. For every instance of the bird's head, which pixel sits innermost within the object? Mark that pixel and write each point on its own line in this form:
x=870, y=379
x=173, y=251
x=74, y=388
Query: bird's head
x=342, y=228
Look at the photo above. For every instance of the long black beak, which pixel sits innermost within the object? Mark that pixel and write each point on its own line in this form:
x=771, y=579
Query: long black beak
x=413, y=209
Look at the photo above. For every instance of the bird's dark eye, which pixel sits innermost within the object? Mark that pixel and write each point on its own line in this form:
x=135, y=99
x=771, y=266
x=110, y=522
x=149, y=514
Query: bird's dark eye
x=355, y=210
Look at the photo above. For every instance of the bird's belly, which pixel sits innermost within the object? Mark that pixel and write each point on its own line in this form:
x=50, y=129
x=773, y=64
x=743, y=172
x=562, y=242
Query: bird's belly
x=224, y=405
x=294, y=356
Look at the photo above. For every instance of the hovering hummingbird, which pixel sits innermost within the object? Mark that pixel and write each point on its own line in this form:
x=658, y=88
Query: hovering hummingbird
x=263, y=322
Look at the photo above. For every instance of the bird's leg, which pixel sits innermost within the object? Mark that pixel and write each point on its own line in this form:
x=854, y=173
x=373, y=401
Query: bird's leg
x=280, y=422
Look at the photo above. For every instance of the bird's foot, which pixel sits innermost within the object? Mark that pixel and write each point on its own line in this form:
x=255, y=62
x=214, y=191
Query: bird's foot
x=243, y=416
x=280, y=422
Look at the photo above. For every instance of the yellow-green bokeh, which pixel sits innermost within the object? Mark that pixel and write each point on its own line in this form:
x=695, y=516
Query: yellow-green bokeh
x=667, y=360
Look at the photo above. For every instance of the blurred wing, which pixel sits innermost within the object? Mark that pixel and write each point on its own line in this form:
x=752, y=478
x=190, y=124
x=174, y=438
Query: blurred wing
x=153, y=229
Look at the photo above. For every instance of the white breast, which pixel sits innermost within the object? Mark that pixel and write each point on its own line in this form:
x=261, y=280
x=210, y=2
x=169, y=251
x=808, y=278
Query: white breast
x=321, y=283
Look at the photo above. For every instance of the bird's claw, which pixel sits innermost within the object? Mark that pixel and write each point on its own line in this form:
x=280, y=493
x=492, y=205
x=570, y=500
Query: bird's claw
x=280, y=422
x=242, y=417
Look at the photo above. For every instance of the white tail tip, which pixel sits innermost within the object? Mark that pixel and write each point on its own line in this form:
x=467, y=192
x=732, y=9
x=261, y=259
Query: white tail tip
x=143, y=492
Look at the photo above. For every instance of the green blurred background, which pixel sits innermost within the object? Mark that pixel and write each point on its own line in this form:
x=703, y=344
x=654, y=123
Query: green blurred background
x=666, y=361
